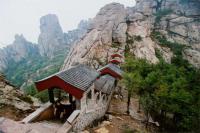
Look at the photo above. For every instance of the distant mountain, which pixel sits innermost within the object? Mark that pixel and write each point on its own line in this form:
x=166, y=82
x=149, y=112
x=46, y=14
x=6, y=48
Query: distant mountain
x=51, y=38
x=22, y=61
x=17, y=51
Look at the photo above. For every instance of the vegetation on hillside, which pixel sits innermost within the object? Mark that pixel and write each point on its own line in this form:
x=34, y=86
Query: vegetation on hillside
x=170, y=93
x=34, y=67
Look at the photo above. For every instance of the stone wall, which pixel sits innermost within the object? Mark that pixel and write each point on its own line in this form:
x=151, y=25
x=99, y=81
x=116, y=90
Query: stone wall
x=92, y=109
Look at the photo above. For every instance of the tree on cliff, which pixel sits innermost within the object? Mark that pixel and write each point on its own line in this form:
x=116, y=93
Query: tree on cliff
x=169, y=92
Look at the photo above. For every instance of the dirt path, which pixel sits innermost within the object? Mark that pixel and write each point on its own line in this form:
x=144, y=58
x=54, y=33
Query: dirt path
x=121, y=124
x=118, y=120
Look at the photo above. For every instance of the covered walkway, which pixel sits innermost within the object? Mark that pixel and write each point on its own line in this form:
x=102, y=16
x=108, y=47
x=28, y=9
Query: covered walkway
x=74, y=81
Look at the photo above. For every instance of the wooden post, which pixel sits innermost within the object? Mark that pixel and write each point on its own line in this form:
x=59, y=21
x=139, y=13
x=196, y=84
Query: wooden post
x=70, y=98
x=51, y=95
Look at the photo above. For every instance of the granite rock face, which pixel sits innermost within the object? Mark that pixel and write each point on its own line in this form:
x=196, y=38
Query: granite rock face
x=96, y=46
x=110, y=32
x=116, y=28
x=17, y=51
x=51, y=37
x=183, y=26
x=10, y=96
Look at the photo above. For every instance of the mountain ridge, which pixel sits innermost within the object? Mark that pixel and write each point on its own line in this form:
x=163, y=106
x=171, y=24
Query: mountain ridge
x=116, y=29
x=23, y=60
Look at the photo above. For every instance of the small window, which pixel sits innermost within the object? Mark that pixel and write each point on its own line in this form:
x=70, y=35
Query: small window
x=98, y=98
x=104, y=97
x=89, y=95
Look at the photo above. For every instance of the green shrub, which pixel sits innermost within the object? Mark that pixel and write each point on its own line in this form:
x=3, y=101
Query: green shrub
x=30, y=90
x=43, y=96
x=158, y=54
x=138, y=38
x=127, y=129
x=115, y=45
x=162, y=13
x=130, y=41
x=26, y=99
x=161, y=40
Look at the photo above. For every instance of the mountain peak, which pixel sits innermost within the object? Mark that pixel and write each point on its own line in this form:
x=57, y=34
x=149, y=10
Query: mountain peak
x=49, y=22
x=51, y=36
x=19, y=38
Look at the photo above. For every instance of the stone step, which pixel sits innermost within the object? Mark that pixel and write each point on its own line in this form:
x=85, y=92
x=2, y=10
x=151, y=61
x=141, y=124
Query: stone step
x=10, y=126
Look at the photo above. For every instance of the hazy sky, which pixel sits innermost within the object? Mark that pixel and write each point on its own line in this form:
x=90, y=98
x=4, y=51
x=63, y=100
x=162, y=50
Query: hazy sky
x=22, y=16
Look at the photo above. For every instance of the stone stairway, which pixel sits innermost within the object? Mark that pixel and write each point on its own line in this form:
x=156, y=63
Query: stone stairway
x=10, y=126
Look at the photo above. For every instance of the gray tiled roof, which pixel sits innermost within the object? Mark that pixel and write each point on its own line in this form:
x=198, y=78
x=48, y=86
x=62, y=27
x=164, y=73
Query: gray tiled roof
x=105, y=84
x=114, y=68
x=81, y=76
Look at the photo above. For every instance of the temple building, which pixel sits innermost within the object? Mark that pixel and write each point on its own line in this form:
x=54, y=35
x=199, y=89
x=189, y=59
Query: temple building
x=87, y=92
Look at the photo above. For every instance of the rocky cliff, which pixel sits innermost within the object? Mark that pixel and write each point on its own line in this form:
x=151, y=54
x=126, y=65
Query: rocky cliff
x=51, y=38
x=18, y=50
x=22, y=61
x=13, y=104
x=118, y=29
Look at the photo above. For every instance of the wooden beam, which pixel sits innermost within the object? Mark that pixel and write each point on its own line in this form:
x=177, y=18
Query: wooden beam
x=36, y=113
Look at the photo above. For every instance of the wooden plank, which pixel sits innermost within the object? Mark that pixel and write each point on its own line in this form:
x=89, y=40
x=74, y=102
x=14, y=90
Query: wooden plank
x=73, y=116
x=36, y=113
